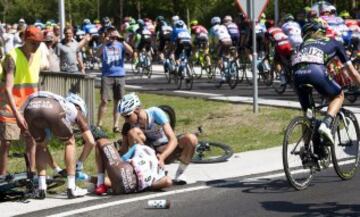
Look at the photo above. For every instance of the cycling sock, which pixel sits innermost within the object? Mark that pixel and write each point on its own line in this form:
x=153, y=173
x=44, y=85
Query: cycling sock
x=180, y=169
x=71, y=182
x=42, y=183
x=57, y=169
x=100, y=179
x=79, y=165
x=328, y=119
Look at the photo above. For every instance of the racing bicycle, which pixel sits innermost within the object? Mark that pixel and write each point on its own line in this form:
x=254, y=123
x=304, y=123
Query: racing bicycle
x=304, y=151
x=184, y=73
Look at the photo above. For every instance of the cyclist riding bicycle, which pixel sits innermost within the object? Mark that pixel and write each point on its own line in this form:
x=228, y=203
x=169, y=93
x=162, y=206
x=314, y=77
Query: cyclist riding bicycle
x=309, y=66
x=220, y=38
x=182, y=40
x=135, y=171
x=232, y=29
x=293, y=30
x=49, y=114
x=201, y=38
x=163, y=32
x=143, y=39
x=154, y=123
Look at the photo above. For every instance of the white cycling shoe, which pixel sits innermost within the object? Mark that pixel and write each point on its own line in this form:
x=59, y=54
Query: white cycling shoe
x=76, y=192
x=326, y=132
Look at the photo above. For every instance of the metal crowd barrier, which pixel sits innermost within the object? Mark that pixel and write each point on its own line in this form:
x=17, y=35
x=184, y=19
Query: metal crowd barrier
x=62, y=83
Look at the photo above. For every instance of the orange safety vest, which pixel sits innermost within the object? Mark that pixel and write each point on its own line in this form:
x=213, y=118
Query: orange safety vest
x=26, y=79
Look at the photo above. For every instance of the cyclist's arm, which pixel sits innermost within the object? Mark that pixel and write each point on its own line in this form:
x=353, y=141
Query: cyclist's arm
x=172, y=142
x=128, y=48
x=86, y=135
x=84, y=41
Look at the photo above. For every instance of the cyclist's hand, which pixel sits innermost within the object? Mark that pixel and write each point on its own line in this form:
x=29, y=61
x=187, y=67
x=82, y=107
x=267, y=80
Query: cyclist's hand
x=161, y=161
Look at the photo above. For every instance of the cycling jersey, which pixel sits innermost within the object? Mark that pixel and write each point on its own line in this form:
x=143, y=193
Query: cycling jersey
x=293, y=31
x=353, y=25
x=319, y=52
x=90, y=29
x=181, y=35
x=146, y=166
x=260, y=28
x=220, y=33
x=150, y=26
x=199, y=31
x=282, y=44
x=154, y=130
x=48, y=113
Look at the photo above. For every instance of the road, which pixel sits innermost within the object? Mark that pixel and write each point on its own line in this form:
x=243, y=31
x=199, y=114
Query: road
x=242, y=196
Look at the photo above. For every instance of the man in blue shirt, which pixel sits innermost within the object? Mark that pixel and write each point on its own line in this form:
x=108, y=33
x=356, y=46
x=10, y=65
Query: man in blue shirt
x=112, y=54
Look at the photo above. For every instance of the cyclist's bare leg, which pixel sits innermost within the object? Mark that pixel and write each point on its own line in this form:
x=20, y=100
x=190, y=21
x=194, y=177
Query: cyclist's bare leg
x=30, y=150
x=42, y=158
x=88, y=146
x=4, y=151
x=70, y=156
x=335, y=104
x=187, y=143
x=116, y=115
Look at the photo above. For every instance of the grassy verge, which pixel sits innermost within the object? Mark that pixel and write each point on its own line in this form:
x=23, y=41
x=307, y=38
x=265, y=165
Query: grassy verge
x=232, y=124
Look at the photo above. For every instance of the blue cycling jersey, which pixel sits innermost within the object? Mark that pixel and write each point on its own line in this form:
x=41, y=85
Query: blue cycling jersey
x=154, y=131
x=319, y=52
x=181, y=34
x=90, y=29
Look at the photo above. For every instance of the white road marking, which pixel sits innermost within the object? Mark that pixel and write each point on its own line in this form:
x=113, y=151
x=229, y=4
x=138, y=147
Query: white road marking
x=191, y=189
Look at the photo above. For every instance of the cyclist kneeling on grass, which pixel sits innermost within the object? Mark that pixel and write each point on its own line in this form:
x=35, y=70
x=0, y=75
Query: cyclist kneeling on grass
x=135, y=171
x=309, y=65
x=154, y=124
x=47, y=113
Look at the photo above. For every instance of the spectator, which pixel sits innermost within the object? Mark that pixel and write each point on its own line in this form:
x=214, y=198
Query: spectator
x=54, y=62
x=70, y=52
x=112, y=53
x=8, y=39
x=21, y=79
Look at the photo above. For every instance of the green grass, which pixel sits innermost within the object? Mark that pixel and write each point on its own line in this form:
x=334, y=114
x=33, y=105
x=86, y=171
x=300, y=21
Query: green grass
x=232, y=124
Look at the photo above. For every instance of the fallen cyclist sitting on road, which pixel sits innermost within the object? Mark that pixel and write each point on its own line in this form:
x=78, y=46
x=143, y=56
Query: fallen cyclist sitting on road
x=135, y=171
x=47, y=113
x=154, y=124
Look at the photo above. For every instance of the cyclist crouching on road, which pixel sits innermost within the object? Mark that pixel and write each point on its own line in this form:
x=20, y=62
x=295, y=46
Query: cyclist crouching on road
x=309, y=65
x=135, y=171
x=47, y=113
x=154, y=124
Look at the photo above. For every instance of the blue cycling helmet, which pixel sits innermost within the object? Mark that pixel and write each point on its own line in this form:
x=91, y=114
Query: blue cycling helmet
x=78, y=101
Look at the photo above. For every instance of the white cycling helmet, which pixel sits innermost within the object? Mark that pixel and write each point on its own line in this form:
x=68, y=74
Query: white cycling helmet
x=175, y=18
x=179, y=24
x=215, y=20
x=77, y=100
x=128, y=104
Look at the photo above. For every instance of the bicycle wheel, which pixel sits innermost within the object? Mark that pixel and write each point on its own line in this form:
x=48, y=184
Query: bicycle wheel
x=178, y=78
x=297, y=161
x=54, y=182
x=233, y=76
x=211, y=152
x=189, y=78
x=345, y=151
x=170, y=112
x=280, y=82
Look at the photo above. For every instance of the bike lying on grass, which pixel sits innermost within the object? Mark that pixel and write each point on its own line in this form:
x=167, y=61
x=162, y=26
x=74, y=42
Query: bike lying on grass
x=22, y=185
x=205, y=151
x=305, y=153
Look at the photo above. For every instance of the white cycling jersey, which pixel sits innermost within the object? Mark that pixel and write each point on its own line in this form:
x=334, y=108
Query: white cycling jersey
x=220, y=33
x=293, y=31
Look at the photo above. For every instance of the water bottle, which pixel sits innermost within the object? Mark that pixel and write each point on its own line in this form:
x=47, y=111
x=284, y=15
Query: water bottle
x=158, y=204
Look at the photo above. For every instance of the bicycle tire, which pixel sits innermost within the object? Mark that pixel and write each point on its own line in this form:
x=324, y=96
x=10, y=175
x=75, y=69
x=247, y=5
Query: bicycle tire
x=208, y=152
x=233, y=79
x=346, y=147
x=297, y=128
x=170, y=112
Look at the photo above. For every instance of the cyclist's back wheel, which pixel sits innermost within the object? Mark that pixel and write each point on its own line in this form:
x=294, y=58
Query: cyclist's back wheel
x=211, y=152
x=345, y=151
x=297, y=161
x=279, y=83
x=189, y=78
x=233, y=77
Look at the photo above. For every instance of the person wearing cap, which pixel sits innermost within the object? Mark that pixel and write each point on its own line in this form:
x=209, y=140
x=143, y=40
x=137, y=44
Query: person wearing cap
x=112, y=54
x=8, y=39
x=19, y=79
x=70, y=52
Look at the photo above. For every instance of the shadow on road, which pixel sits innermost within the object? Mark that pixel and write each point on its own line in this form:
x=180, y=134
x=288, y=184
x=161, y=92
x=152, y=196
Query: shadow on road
x=313, y=209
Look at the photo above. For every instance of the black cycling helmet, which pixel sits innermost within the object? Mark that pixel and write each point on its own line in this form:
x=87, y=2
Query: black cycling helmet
x=159, y=18
x=105, y=21
x=312, y=27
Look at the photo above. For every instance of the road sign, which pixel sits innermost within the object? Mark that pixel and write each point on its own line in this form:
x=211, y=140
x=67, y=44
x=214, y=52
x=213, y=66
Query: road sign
x=259, y=7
